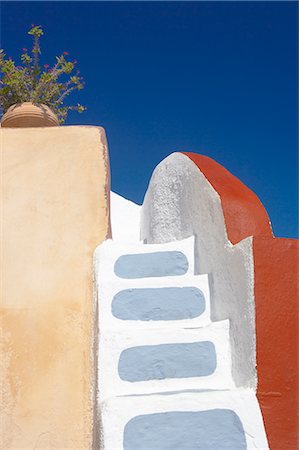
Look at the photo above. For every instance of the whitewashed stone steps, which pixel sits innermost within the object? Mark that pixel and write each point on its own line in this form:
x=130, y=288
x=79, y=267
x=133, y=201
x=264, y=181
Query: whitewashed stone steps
x=164, y=370
x=219, y=420
x=165, y=300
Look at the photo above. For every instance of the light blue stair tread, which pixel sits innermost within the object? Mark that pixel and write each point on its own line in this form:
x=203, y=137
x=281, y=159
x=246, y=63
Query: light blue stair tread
x=169, y=303
x=158, y=362
x=216, y=429
x=156, y=264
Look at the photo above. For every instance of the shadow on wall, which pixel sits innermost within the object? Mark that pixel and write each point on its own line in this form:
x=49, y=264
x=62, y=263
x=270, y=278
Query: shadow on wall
x=191, y=194
x=180, y=202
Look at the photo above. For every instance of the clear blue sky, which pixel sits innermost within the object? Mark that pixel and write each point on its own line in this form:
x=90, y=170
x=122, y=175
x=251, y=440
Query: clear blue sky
x=217, y=78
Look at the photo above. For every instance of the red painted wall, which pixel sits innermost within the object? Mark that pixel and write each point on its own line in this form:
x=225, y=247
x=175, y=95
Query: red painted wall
x=276, y=293
x=276, y=301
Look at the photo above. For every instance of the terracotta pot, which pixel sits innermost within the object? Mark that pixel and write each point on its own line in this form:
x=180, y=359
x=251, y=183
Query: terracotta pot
x=29, y=115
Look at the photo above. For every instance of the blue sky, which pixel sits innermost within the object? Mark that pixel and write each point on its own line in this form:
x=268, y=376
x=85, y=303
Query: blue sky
x=217, y=78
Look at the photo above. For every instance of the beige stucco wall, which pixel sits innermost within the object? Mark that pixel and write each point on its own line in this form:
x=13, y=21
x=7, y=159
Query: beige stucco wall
x=55, y=210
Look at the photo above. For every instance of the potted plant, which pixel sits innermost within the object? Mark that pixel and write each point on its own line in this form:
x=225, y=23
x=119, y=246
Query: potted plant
x=31, y=96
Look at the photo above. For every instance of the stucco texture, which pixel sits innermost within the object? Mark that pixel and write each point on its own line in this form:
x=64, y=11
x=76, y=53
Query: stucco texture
x=276, y=282
x=253, y=277
x=55, y=211
x=180, y=202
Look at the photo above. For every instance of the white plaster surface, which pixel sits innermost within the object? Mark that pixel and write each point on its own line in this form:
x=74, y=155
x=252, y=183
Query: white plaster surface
x=180, y=202
x=107, y=290
x=112, y=343
x=109, y=251
x=125, y=219
x=116, y=413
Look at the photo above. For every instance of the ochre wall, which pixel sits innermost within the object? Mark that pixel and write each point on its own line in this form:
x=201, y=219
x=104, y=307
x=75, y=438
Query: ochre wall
x=55, y=211
x=276, y=282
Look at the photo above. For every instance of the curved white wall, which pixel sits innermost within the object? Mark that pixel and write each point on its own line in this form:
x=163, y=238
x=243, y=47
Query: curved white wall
x=180, y=202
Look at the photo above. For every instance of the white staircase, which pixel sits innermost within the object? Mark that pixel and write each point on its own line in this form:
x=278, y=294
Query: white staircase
x=164, y=369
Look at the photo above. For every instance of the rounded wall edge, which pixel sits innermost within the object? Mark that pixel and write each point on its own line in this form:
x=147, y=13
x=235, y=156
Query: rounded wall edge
x=244, y=213
x=181, y=202
x=104, y=143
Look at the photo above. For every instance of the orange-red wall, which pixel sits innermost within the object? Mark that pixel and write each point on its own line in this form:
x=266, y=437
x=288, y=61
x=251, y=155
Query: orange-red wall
x=276, y=302
x=276, y=294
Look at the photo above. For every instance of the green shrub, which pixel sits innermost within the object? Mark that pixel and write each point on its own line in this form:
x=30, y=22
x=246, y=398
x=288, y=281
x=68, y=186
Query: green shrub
x=29, y=83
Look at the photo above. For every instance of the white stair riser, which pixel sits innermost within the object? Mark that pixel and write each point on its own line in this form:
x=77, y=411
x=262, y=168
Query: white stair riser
x=108, y=259
x=229, y=417
x=186, y=298
x=164, y=360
